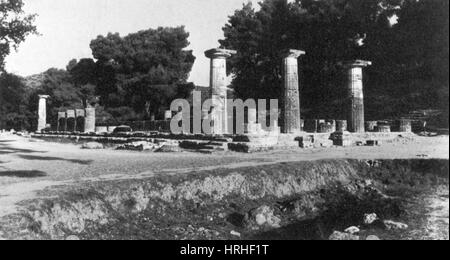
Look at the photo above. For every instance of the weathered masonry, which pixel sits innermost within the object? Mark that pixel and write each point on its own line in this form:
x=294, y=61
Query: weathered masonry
x=355, y=95
x=42, y=112
x=219, y=88
x=291, y=102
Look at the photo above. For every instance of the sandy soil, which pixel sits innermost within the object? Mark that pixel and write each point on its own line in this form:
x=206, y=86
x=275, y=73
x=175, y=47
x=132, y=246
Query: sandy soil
x=28, y=165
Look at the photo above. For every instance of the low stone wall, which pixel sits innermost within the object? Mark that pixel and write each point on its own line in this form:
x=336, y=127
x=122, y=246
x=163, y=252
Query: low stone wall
x=240, y=143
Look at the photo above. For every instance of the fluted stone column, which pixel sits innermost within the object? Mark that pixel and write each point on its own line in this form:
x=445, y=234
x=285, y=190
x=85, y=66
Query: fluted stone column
x=355, y=95
x=218, y=85
x=89, y=120
x=42, y=112
x=291, y=104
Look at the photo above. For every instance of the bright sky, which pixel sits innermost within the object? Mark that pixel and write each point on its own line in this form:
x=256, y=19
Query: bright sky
x=68, y=26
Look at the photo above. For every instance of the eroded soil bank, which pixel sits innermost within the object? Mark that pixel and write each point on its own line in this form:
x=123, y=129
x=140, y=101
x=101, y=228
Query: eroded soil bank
x=295, y=200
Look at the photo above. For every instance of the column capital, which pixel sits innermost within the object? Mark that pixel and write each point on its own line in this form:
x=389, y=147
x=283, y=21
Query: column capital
x=356, y=64
x=292, y=53
x=43, y=96
x=219, y=53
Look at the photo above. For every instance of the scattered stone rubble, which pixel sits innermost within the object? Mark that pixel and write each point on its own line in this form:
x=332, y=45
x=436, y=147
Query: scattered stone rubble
x=392, y=225
x=369, y=219
x=343, y=236
x=264, y=217
x=352, y=230
x=92, y=146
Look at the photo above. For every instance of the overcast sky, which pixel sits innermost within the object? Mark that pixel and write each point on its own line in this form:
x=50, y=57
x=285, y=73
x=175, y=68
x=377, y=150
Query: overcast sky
x=68, y=26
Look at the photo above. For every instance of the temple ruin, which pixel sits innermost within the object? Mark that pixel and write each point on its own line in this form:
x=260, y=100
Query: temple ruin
x=294, y=131
x=76, y=120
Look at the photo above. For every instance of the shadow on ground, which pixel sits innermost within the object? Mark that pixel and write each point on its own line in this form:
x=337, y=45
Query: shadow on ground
x=48, y=158
x=23, y=174
x=5, y=148
x=301, y=230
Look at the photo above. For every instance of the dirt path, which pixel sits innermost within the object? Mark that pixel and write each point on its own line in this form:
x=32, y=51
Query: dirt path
x=27, y=165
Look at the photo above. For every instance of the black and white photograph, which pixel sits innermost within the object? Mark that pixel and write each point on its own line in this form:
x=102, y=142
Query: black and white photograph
x=231, y=123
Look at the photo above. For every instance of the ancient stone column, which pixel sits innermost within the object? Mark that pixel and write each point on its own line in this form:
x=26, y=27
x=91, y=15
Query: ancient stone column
x=251, y=126
x=61, y=116
x=79, y=124
x=42, y=121
x=341, y=126
x=89, y=120
x=291, y=104
x=71, y=120
x=405, y=125
x=218, y=85
x=355, y=95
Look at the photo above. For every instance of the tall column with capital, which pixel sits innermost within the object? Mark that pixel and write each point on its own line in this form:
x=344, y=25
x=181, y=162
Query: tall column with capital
x=291, y=103
x=218, y=85
x=355, y=95
x=42, y=112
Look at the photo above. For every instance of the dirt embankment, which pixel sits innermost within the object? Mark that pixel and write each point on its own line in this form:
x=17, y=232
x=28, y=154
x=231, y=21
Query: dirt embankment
x=298, y=200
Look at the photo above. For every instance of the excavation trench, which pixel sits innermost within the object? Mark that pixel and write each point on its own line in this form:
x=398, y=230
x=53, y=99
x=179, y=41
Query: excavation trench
x=301, y=200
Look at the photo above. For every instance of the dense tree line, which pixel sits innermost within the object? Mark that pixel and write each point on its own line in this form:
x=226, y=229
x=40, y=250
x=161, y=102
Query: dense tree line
x=136, y=76
x=130, y=78
x=140, y=74
x=14, y=110
x=407, y=41
x=15, y=25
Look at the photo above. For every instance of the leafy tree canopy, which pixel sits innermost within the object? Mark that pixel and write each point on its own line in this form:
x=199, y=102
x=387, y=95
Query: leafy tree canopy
x=407, y=40
x=144, y=71
x=14, y=27
x=13, y=112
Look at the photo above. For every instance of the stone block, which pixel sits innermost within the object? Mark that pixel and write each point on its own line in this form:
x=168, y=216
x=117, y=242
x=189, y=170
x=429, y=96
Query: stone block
x=342, y=139
x=371, y=126
x=327, y=126
x=306, y=141
x=405, y=126
x=311, y=126
x=341, y=125
x=324, y=143
x=373, y=143
x=383, y=129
